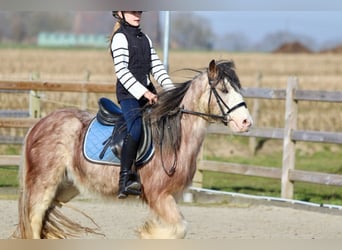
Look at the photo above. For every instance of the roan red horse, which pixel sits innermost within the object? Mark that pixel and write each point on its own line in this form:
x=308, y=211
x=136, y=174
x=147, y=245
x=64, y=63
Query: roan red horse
x=54, y=169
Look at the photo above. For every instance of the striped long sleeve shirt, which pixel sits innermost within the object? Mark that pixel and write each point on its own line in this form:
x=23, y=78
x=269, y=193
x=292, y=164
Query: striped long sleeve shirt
x=120, y=53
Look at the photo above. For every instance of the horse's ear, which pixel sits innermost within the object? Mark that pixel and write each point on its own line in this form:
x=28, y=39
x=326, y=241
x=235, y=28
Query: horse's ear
x=212, y=72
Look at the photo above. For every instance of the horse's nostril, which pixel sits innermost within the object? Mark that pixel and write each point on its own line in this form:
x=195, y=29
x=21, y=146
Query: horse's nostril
x=246, y=123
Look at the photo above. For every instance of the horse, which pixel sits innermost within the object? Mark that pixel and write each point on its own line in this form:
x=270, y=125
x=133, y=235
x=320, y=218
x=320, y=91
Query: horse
x=54, y=169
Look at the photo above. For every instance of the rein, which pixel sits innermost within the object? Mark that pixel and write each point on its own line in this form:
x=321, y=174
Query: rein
x=224, y=115
x=172, y=169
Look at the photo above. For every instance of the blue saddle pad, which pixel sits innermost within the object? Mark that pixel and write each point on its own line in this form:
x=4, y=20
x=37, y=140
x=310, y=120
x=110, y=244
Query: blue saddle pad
x=93, y=145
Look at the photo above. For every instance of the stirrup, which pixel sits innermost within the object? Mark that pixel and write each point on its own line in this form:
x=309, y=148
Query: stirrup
x=134, y=188
x=122, y=195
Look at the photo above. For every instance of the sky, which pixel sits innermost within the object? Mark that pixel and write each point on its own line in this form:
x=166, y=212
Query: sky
x=322, y=26
x=319, y=19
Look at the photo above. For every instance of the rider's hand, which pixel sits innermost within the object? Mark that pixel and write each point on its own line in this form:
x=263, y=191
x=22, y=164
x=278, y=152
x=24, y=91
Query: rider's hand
x=152, y=98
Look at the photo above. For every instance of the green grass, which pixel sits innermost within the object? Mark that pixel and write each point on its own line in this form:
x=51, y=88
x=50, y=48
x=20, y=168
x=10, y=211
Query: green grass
x=8, y=176
x=324, y=160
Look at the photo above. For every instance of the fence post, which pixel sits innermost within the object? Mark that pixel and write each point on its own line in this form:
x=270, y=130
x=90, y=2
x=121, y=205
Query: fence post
x=85, y=94
x=34, y=105
x=289, y=152
x=197, y=181
x=255, y=115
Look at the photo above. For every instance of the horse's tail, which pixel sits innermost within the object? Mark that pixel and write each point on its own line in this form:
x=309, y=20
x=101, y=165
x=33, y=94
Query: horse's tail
x=23, y=230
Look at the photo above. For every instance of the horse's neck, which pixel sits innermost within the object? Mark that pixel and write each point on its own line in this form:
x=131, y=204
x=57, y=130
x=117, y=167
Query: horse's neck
x=194, y=127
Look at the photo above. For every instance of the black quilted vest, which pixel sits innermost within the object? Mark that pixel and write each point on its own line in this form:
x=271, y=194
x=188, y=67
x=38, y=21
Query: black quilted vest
x=139, y=59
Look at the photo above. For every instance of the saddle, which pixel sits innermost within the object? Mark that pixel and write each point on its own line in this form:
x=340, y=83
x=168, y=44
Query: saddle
x=105, y=135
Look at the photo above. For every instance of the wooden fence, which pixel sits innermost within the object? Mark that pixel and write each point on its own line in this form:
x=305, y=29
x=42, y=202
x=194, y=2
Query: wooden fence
x=289, y=134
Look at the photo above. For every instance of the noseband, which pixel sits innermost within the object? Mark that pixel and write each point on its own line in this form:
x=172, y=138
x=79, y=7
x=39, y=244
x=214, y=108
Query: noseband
x=224, y=117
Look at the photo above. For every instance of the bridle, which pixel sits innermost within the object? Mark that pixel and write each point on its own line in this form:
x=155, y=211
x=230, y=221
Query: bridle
x=224, y=117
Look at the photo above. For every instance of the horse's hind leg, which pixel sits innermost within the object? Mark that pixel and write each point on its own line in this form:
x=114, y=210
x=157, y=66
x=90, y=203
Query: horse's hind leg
x=43, y=197
x=40, y=190
x=49, y=151
x=38, y=211
x=36, y=196
x=168, y=223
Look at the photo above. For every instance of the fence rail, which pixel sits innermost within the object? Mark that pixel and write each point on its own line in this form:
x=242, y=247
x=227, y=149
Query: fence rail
x=299, y=95
x=289, y=134
x=57, y=86
x=278, y=133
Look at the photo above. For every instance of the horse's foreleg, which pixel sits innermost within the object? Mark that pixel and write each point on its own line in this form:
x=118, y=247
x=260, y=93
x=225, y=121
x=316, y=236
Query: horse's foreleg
x=168, y=222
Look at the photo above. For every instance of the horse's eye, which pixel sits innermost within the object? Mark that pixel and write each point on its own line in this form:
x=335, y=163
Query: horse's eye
x=224, y=90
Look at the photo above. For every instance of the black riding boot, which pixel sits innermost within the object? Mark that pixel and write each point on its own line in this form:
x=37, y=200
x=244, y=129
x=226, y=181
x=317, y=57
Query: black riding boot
x=129, y=182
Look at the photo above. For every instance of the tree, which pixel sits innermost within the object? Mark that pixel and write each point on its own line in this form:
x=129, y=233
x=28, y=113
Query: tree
x=236, y=41
x=22, y=26
x=49, y=22
x=274, y=40
x=18, y=26
x=189, y=31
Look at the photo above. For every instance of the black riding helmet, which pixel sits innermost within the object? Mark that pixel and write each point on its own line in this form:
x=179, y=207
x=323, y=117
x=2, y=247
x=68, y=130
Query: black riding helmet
x=115, y=14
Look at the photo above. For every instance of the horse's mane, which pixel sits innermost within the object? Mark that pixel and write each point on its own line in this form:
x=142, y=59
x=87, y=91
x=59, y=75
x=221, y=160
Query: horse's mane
x=165, y=116
x=226, y=69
